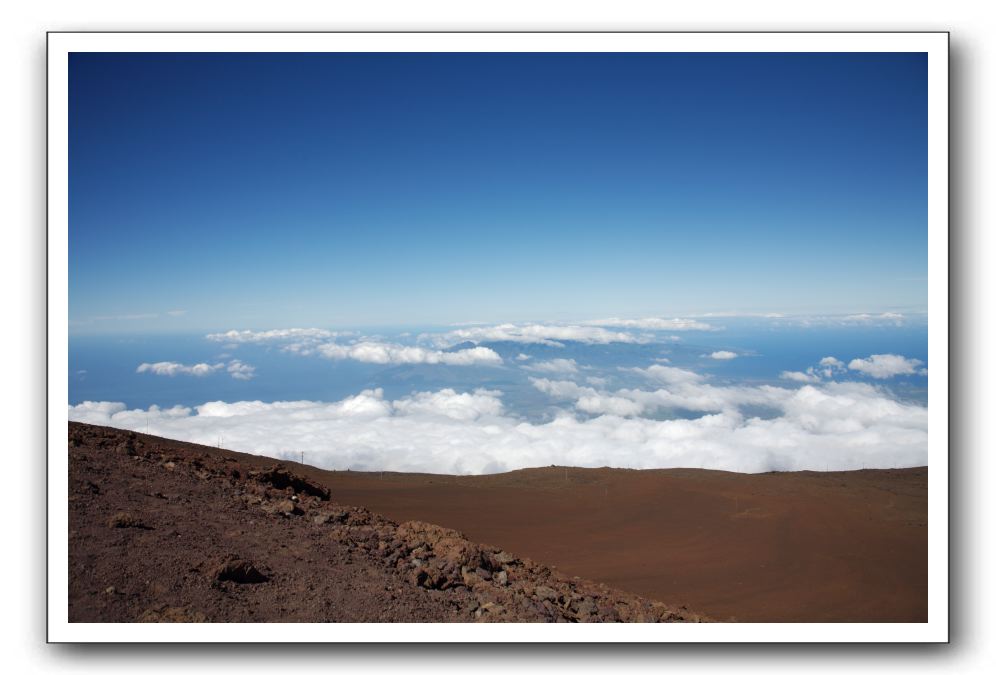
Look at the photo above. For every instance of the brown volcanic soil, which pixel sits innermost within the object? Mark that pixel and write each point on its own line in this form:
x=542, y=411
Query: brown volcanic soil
x=166, y=531
x=801, y=546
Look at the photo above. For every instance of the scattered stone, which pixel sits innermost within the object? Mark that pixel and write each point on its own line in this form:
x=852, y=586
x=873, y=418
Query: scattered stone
x=472, y=581
x=545, y=593
x=122, y=519
x=238, y=571
x=503, y=557
x=289, y=508
x=281, y=479
x=470, y=578
x=585, y=607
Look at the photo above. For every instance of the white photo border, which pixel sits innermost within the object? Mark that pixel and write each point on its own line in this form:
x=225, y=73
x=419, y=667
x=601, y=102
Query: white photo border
x=934, y=44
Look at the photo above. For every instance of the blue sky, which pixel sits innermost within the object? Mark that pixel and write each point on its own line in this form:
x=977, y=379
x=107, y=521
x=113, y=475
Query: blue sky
x=337, y=190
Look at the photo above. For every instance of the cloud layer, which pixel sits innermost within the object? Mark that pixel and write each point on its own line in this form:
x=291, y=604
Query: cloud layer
x=652, y=323
x=277, y=335
x=833, y=425
x=309, y=341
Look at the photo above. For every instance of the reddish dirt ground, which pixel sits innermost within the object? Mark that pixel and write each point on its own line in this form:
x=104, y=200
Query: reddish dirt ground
x=167, y=531
x=847, y=546
x=801, y=546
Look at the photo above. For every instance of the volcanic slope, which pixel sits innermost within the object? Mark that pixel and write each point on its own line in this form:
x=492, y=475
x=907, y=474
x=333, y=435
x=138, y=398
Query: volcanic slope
x=782, y=546
x=165, y=531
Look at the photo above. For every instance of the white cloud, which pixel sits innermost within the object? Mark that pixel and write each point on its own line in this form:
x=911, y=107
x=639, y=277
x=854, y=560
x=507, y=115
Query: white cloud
x=448, y=403
x=809, y=376
x=878, y=365
x=311, y=341
x=652, y=323
x=523, y=357
x=237, y=369
x=885, y=317
x=95, y=410
x=667, y=374
x=862, y=319
x=881, y=366
x=386, y=353
x=838, y=425
x=723, y=355
x=545, y=334
x=240, y=370
x=735, y=315
x=172, y=368
x=559, y=366
x=684, y=390
x=276, y=335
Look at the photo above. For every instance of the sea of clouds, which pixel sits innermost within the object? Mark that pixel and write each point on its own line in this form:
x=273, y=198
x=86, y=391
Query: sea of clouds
x=835, y=415
x=833, y=425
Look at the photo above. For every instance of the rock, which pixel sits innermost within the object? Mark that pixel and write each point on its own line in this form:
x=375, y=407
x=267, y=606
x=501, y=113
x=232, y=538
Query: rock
x=470, y=578
x=502, y=578
x=546, y=593
x=282, y=479
x=238, y=571
x=488, y=608
x=122, y=519
x=585, y=607
x=503, y=557
x=283, y=507
x=110, y=590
